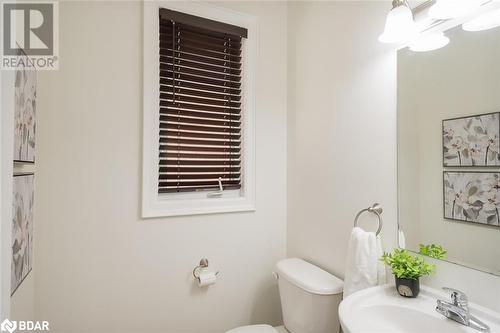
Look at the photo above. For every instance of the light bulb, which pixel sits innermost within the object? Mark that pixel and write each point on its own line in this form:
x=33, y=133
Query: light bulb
x=488, y=20
x=429, y=42
x=399, y=26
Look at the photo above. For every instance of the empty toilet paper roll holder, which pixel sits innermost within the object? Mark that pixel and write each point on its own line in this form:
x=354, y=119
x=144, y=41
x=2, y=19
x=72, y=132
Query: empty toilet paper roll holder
x=203, y=264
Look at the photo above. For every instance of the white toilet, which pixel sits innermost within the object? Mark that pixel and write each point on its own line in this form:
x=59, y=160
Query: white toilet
x=310, y=298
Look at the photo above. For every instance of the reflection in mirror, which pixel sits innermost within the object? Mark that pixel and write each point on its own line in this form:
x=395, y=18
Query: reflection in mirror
x=448, y=150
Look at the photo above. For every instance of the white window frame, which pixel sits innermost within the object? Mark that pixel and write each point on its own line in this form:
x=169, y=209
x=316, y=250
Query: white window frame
x=193, y=203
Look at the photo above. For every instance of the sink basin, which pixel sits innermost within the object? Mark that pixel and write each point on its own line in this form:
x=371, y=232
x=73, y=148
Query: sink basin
x=382, y=309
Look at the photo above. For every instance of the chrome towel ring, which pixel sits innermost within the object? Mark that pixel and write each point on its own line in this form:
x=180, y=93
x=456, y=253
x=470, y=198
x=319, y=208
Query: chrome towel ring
x=377, y=210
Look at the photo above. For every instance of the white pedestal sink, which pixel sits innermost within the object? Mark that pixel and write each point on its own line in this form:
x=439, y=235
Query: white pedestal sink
x=383, y=310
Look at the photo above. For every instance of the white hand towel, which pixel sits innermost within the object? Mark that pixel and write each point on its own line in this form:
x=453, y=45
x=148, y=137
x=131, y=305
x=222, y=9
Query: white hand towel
x=381, y=278
x=363, y=269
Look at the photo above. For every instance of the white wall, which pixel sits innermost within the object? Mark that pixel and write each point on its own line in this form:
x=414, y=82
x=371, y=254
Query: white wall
x=342, y=137
x=22, y=303
x=342, y=127
x=100, y=267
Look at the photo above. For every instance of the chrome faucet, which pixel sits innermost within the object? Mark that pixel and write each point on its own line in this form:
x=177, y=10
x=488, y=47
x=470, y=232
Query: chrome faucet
x=458, y=310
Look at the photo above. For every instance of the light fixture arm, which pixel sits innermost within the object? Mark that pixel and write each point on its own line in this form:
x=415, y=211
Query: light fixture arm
x=397, y=3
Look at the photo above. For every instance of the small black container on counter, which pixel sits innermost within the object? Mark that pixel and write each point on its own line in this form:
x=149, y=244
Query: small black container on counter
x=408, y=287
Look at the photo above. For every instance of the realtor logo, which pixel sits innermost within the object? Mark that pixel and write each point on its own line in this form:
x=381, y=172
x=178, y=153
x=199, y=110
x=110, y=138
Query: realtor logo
x=8, y=326
x=24, y=326
x=30, y=35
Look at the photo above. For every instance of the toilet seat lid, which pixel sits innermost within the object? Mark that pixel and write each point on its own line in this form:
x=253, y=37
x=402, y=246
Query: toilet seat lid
x=253, y=329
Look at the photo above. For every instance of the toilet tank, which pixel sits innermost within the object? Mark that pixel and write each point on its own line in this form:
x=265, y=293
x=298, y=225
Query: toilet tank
x=310, y=297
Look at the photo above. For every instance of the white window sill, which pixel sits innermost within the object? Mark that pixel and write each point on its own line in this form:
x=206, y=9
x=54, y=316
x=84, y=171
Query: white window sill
x=172, y=207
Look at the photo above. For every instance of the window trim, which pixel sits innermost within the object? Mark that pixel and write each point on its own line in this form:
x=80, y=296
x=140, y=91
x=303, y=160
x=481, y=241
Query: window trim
x=159, y=205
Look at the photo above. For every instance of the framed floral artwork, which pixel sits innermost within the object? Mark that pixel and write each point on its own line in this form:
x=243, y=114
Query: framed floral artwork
x=24, y=114
x=472, y=141
x=472, y=197
x=22, y=228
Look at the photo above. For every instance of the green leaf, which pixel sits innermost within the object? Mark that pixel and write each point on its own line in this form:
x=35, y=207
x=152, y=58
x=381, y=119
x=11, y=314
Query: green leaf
x=406, y=266
x=433, y=251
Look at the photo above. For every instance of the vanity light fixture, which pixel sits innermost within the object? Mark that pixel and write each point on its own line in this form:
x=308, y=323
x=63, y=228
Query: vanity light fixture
x=488, y=20
x=429, y=42
x=399, y=24
x=448, y=9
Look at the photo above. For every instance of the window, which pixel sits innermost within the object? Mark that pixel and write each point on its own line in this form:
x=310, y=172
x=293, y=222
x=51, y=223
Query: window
x=200, y=104
x=198, y=110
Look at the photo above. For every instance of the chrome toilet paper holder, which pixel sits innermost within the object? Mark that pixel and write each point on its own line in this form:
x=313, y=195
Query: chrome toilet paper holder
x=203, y=264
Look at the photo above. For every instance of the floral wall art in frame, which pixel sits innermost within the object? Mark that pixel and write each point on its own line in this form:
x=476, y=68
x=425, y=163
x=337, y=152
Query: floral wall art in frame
x=22, y=228
x=472, y=141
x=24, y=114
x=472, y=197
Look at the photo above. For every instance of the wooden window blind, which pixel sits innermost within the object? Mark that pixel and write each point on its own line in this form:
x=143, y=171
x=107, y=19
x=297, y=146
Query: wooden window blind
x=200, y=103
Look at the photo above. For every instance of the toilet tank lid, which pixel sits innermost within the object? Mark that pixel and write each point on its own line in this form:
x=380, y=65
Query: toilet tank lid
x=309, y=277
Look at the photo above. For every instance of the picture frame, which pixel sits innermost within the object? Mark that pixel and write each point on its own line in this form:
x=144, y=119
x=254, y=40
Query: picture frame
x=472, y=196
x=471, y=141
x=25, y=113
x=22, y=228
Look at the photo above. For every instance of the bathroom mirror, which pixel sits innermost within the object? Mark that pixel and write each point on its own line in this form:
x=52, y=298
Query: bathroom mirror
x=448, y=158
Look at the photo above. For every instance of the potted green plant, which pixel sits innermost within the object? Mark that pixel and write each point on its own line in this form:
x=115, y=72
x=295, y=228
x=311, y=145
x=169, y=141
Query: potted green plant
x=407, y=269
